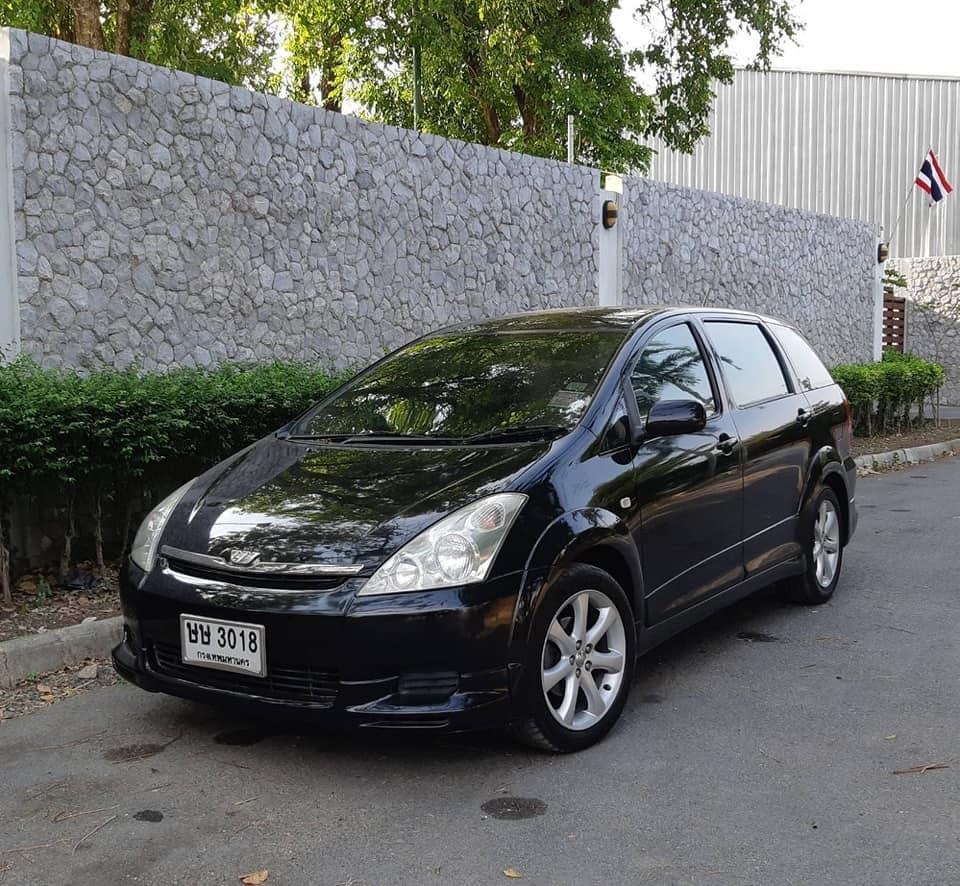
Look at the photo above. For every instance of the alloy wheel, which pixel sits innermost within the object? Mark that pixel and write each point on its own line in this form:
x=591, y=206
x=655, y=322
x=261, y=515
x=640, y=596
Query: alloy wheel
x=826, y=543
x=583, y=661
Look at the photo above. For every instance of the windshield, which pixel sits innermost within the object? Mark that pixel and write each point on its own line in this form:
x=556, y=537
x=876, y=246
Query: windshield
x=464, y=385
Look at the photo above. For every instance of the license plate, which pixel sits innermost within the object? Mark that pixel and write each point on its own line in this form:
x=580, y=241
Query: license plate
x=225, y=645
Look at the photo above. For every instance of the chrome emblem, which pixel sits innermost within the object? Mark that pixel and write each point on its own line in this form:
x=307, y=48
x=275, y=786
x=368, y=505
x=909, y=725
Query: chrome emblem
x=243, y=558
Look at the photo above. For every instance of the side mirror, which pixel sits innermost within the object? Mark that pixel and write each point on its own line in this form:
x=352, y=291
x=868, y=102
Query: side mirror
x=670, y=417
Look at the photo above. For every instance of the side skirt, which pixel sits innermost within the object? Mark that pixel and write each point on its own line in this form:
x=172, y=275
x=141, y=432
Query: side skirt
x=649, y=637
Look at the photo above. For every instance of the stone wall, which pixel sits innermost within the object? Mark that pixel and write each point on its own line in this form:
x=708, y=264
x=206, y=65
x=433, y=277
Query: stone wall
x=933, y=315
x=697, y=247
x=163, y=219
x=168, y=220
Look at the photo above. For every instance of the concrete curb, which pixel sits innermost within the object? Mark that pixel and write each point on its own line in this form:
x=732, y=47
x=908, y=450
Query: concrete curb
x=914, y=455
x=23, y=657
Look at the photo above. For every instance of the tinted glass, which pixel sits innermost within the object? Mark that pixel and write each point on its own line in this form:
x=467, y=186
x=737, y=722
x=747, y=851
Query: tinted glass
x=617, y=433
x=671, y=368
x=459, y=385
x=808, y=366
x=750, y=367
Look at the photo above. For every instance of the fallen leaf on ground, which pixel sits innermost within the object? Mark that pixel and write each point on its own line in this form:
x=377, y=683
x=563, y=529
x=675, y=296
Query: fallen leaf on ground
x=256, y=878
x=43, y=689
x=512, y=873
x=919, y=770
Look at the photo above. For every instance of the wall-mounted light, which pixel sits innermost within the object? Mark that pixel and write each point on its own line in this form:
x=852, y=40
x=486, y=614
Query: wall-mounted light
x=609, y=214
x=883, y=252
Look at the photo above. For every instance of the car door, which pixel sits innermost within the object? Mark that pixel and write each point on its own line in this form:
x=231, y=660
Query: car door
x=689, y=486
x=772, y=417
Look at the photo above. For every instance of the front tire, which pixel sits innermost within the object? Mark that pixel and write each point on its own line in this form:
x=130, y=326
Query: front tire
x=579, y=662
x=822, y=538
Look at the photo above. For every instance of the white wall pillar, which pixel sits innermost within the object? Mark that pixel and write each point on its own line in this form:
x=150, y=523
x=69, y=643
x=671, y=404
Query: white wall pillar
x=609, y=270
x=9, y=301
x=877, y=306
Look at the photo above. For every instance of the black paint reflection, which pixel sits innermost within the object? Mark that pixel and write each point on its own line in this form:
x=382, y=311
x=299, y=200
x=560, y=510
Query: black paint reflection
x=459, y=385
x=341, y=504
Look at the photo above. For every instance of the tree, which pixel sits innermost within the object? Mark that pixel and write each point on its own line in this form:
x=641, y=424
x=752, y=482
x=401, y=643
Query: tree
x=229, y=40
x=318, y=34
x=507, y=72
x=499, y=72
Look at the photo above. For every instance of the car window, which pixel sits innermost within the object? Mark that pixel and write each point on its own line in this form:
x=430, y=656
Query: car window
x=672, y=367
x=462, y=384
x=809, y=368
x=750, y=366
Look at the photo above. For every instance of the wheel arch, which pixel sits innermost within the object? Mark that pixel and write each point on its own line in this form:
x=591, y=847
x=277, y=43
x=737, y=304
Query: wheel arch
x=826, y=469
x=591, y=536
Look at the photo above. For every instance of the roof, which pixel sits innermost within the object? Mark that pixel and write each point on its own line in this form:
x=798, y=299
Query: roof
x=842, y=72
x=614, y=318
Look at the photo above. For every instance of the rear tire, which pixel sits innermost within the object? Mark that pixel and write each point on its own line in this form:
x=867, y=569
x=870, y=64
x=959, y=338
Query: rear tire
x=822, y=539
x=579, y=663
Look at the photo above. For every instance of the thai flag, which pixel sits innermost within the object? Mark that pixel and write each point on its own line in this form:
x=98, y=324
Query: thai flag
x=932, y=180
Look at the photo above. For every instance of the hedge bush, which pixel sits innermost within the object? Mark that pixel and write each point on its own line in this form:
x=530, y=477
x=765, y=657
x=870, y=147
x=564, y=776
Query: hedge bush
x=98, y=448
x=883, y=394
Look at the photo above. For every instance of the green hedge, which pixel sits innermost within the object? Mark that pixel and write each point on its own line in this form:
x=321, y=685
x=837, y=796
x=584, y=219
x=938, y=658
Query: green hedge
x=87, y=447
x=882, y=394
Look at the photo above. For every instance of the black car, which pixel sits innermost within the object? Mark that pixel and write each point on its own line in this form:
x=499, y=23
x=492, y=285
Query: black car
x=488, y=526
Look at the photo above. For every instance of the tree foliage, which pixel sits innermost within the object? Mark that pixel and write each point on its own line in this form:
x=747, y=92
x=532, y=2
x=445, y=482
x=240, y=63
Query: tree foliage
x=507, y=72
x=499, y=72
x=230, y=40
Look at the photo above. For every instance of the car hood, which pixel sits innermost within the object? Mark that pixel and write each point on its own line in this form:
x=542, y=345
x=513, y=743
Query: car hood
x=343, y=505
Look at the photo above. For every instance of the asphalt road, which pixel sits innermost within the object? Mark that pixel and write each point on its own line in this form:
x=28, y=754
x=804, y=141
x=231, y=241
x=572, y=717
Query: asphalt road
x=758, y=748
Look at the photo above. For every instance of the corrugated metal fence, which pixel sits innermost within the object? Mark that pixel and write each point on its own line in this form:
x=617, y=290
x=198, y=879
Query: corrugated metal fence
x=848, y=145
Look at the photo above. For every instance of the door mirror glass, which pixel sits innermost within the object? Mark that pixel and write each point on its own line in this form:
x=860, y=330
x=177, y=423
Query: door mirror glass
x=670, y=417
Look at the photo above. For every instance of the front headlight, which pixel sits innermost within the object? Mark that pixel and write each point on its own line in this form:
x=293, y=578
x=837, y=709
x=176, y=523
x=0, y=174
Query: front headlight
x=144, y=550
x=459, y=550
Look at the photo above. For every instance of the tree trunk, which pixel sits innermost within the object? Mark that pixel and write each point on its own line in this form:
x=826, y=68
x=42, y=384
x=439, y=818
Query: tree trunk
x=330, y=100
x=98, y=532
x=5, y=583
x=528, y=111
x=303, y=88
x=331, y=56
x=491, y=123
x=141, y=14
x=122, y=43
x=66, y=554
x=88, y=29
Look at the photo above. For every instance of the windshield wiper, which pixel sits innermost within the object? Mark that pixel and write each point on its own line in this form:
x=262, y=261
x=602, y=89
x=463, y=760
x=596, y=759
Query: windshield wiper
x=518, y=432
x=373, y=437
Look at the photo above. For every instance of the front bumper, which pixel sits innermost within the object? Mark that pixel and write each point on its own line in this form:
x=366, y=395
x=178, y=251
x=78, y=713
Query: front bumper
x=434, y=660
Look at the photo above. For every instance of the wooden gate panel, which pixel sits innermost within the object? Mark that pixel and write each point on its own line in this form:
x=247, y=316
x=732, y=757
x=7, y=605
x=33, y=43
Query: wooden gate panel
x=894, y=321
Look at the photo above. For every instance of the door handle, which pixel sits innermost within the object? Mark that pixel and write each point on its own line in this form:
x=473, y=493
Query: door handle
x=803, y=417
x=726, y=444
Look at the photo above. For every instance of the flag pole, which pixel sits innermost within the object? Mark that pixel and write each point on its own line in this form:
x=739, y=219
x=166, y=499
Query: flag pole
x=903, y=209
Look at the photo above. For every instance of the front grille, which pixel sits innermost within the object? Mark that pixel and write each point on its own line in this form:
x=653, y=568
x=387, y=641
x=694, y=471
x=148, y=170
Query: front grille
x=276, y=582
x=307, y=685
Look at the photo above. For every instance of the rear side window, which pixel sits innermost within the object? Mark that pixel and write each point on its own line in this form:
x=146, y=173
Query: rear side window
x=750, y=367
x=671, y=367
x=809, y=368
